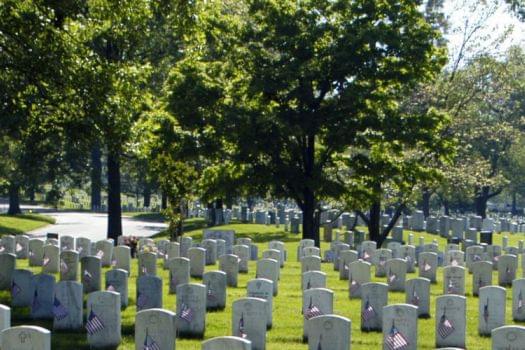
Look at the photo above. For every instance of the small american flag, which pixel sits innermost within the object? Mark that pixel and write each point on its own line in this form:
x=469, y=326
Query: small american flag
x=35, y=305
x=31, y=254
x=508, y=272
x=88, y=277
x=312, y=311
x=186, y=313
x=476, y=257
x=354, y=285
x=63, y=266
x=111, y=288
x=520, y=302
x=15, y=289
x=391, y=276
x=496, y=258
x=2, y=248
x=150, y=343
x=395, y=340
x=19, y=247
x=80, y=249
x=142, y=300
x=451, y=287
x=45, y=260
x=114, y=262
x=426, y=266
x=100, y=254
x=408, y=258
x=211, y=294
x=415, y=298
x=368, y=312
x=144, y=270
x=382, y=261
x=454, y=262
x=445, y=327
x=480, y=282
x=366, y=256
x=486, y=311
x=59, y=311
x=241, y=328
x=94, y=323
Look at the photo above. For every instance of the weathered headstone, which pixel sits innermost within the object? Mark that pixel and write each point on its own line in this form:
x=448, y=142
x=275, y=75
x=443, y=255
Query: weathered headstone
x=310, y=263
x=197, y=258
x=417, y=293
x=103, y=320
x=508, y=337
x=229, y=263
x=379, y=259
x=25, y=338
x=316, y=302
x=68, y=265
x=454, y=258
x=211, y=251
x=518, y=300
x=269, y=269
x=358, y=274
x=22, y=289
x=329, y=332
x=42, y=303
x=454, y=280
x=83, y=246
x=91, y=273
x=147, y=263
x=400, y=327
x=451, y=321
x=122, y=258
x=21, y=246
x=50, y=259
x=5, y=317
x=117, y=281
x=179, y=273
x=408, y=252
x=227, y=343
x=262, y=288
x=481, y=275
x=243, y=253
x=67, y=243
x=215, y=282
x=155, y=329
x=491, y=309
x=507, y=266
x=427, y=264
x=249, y=321
x=374, y=296
x=185, y=244
x=36, y=252
x=104, y=250
x=313, y=279
x=67, y=304
x=396, y=274
x=149, y=292
x=191, y=310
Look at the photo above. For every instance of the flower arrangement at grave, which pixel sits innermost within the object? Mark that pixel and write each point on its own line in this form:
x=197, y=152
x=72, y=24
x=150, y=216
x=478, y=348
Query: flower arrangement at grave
x=131, y=242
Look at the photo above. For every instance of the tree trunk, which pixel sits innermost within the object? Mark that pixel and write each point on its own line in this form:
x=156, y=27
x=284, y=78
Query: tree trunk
x=481, y=202
x=426, y=202
x=164, y=201
x=374, y=220
x=14, y=199
x=114, y=207
x=514, y=209
x=211, y=214
x=96, y=178
x=147, y=195
x=219, y=215
x=311, y=217
x=446, y=207
x=31, y=194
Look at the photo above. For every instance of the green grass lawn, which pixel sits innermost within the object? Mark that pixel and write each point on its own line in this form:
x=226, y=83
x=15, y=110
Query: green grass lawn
x=287, y=319
x=18, y=224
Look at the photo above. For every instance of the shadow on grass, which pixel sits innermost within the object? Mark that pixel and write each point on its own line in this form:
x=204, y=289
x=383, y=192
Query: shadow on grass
x=151, y=217
x=34, y=217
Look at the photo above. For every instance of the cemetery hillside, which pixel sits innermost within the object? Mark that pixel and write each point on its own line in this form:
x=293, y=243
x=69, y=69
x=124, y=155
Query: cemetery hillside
x=262, y=174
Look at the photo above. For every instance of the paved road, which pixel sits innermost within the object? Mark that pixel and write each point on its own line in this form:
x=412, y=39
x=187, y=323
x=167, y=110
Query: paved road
x=94, y=225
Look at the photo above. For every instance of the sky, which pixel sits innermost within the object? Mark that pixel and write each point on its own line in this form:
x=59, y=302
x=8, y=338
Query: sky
x=493, y=19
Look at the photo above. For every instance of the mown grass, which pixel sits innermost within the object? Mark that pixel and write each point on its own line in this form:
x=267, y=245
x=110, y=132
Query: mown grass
x=287, y=320
x=18, y=224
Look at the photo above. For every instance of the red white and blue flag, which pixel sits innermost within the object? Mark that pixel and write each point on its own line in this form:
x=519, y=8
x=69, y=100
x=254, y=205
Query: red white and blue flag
x=241, y=328
x=368, y=312
x=445, y=327
x=396, y=340
x=94, y=323
x=186, y=313
x=59, y=311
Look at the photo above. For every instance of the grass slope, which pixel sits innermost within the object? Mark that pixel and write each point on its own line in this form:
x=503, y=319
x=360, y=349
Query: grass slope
x=287, y=319
x=18, y=224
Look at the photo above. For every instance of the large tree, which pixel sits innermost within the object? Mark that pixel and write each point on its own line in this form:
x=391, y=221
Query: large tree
x=290, y=84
